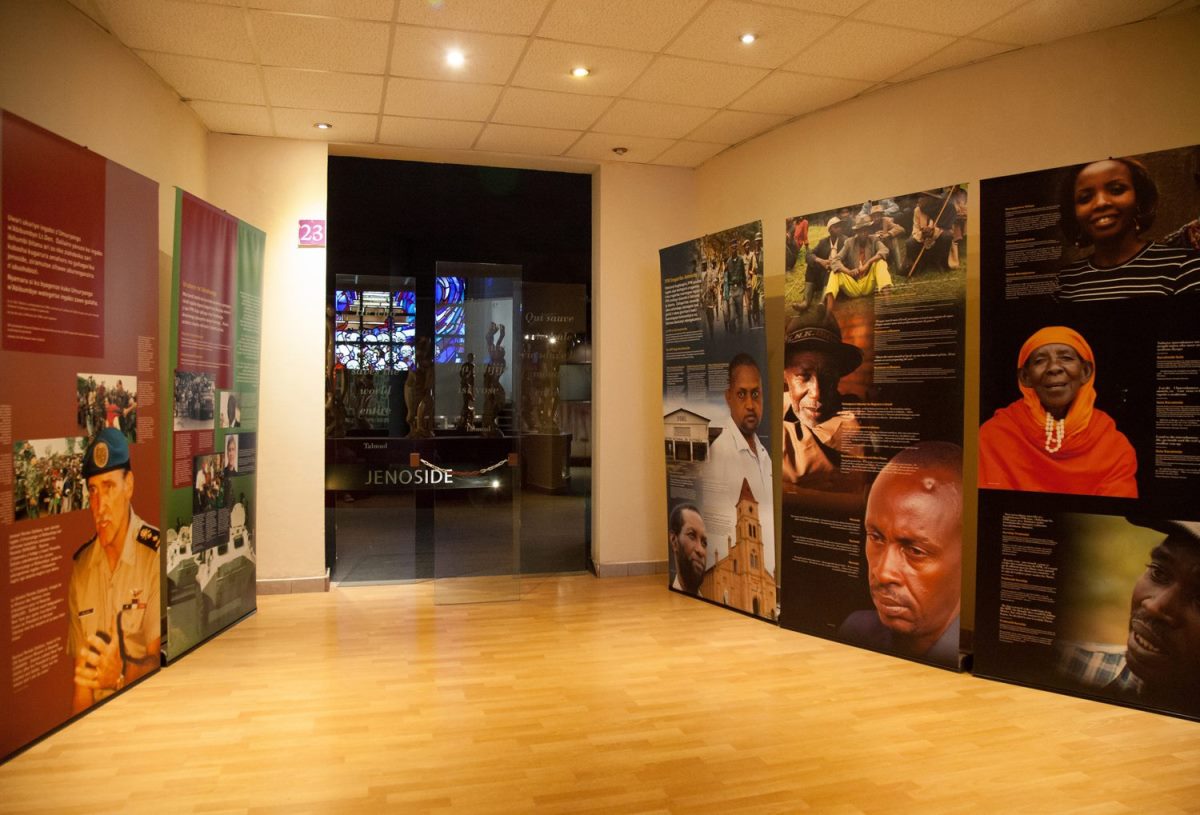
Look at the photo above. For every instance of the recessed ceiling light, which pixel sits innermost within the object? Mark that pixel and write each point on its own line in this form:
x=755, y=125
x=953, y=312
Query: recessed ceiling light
x=322, y=125
x=620, y=151
x=455, y=58
x=748, y=38
x=580, y=72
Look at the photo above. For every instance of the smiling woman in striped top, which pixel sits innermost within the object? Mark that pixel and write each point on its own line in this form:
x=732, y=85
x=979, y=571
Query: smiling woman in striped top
x=1109, y=205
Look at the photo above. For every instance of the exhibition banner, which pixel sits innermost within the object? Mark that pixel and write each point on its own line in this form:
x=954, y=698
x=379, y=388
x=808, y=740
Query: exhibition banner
x=79, y=446
x=871, y=544
x=716, y=420
x=1089, y=439
x=209, y=567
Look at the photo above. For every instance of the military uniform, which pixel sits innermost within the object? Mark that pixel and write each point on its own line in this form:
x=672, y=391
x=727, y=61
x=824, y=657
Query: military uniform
x=99, y=594
x=121, y=602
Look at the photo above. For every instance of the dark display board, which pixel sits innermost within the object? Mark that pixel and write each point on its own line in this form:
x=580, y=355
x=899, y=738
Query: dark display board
x=871, y=543
x=216, y=329
x=716, y=420
x=1090, y=430
x=79, y=574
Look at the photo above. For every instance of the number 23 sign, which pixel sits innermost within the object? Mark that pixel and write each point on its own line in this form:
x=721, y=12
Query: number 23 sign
x=312, y=233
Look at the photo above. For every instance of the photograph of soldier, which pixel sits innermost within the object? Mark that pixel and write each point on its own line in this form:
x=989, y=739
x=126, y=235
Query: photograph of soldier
x=113, y=610
x=106, y=400
x=194, y=400
x=47, y=477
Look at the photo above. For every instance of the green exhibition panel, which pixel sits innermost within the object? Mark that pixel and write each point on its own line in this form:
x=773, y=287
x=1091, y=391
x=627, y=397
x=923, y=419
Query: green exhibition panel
x=210, y=542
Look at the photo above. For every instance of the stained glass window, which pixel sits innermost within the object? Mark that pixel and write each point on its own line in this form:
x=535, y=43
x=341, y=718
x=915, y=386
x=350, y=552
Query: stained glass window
x=374, y=329
x=449, y=322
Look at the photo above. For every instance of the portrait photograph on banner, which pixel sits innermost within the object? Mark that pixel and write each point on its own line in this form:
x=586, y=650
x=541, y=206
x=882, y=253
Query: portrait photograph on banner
x=872, y=400
x=1089, y=388
x=716, y=422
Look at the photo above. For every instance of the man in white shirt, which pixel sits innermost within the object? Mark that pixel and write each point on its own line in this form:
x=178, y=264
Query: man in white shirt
x=738, y=455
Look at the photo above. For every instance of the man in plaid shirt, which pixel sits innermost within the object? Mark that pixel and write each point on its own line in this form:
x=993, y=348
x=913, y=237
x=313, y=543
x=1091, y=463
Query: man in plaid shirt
x=1160, y=663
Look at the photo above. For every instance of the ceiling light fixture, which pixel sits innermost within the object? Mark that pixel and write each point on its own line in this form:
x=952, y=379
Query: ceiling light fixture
x=455, y=58
x=620, y=151
x=322, y=125
x=748, y=38
x=580, y=72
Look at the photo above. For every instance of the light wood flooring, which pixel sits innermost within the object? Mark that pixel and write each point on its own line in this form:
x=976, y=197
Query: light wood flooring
x=585, y=696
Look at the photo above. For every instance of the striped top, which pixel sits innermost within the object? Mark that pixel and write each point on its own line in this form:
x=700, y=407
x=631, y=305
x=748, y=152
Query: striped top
x=1155, y=271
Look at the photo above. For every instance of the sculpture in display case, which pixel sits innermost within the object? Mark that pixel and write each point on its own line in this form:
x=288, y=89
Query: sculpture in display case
x=466, y=388
x=493, y=391
x=418, y=390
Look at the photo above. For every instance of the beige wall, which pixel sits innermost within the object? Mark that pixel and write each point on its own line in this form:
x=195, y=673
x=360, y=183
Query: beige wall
x=272, y=184
x=60, y=70
x=636, y=210
x=1015, y=112
x=1128, y=90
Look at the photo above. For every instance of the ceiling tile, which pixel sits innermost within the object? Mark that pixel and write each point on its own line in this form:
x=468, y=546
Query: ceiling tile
x=565, y=111
x=430, y=133
x=733, y=126
x=794, y=94
x=548, y=63
x=421, y=53
x=353, y=93
x=495, y=16
x=221, y=117
x=959, y=52
x=674, y=79
x=347, y=127
x=958, y=17
x=856, y=50
x=599, y=147
x=840, y=8
x=651, y=119
x=320, y=43
x=689, y=153
x=537, y=141
x=352, y=9
x=192, y=29
x=440, y=100
x=210, y=79
x=1048, y=20
x=714, y=35
x=643, y=25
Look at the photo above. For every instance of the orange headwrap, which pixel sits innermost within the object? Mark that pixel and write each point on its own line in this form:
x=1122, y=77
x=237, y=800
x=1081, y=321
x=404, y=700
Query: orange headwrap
x=1080, y=412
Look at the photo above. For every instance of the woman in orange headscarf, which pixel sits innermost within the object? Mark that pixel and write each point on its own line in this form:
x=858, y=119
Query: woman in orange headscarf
x=1054, y=439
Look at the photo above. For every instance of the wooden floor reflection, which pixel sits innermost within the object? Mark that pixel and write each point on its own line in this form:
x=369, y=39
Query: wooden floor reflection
x=584, y=696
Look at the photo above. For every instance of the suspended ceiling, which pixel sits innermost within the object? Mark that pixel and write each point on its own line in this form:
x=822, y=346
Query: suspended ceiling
x=671, y=82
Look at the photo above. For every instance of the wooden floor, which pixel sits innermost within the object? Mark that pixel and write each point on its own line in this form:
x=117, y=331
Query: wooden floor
x=586, y=696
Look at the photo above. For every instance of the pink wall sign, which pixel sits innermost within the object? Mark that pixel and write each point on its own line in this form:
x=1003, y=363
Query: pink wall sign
x=312, y=233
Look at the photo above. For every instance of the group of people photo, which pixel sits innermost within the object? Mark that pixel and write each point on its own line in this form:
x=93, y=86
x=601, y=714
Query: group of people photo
x=106, y=400
x=729, y=268
x=856, y=251
x=47, y=477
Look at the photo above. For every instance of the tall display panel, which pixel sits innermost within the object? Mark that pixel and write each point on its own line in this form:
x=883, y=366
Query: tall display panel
x=716, y=420
x=1089, y=445
x=79, y=445
x=871, y=543
x=216, y=328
